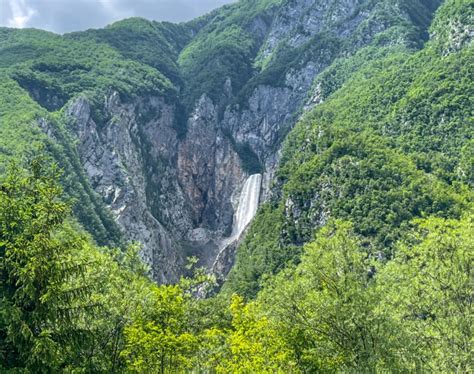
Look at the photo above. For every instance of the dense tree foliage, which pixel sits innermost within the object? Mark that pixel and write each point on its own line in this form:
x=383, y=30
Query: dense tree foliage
x=360, y=261
x=44, y=291
x=340, y=308
x=68, y=305
x=391, y=142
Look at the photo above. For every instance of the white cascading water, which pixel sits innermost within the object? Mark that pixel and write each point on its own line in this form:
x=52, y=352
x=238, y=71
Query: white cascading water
x=248, y=205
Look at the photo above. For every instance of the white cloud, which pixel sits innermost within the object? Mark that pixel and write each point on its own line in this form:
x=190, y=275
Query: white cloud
x=74, y=15
x=21, y=13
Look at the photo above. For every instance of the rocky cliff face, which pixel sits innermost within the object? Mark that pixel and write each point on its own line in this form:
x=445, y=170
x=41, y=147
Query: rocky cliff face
x=177, y=194
x=129, y=162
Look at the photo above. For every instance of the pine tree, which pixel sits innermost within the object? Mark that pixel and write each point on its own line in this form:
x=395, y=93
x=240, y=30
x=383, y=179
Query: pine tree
x=44, y=292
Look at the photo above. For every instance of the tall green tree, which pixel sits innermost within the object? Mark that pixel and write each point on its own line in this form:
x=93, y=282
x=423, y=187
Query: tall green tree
x=326, y=306
x=251, y=344
x=158, y=338
x=64, y=301
x=44, y=292
x=428, y=292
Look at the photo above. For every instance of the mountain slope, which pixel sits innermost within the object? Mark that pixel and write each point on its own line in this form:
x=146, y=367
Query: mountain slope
x=356, y=115
x=392, y=144
x=168, y=121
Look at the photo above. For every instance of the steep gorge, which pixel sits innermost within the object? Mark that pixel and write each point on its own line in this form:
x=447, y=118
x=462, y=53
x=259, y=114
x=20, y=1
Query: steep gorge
x=172, y=164
x=316, y=156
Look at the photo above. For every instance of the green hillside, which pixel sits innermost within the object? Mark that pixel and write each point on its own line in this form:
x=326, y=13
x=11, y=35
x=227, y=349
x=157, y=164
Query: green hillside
x=359, y=261
x=394, y=143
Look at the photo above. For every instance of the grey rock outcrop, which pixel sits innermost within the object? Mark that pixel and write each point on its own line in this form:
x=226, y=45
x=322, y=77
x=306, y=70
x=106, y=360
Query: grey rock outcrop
x=118, y=160
x=177, y=194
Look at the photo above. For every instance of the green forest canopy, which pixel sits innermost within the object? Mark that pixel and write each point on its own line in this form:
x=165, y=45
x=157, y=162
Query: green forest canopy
x=361, y=261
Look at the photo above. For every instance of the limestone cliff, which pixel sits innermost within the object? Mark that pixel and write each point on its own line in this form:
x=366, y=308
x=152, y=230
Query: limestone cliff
x=176, y=192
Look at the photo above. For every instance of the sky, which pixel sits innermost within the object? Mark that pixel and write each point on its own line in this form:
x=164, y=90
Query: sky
x=62, y=16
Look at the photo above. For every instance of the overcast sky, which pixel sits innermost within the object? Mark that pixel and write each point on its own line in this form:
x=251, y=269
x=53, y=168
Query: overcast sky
x=72, y=15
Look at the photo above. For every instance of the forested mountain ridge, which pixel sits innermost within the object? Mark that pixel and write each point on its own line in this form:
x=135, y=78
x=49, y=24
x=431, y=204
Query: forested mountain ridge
x=165, y=122
x=358, y=115
x=392, y=144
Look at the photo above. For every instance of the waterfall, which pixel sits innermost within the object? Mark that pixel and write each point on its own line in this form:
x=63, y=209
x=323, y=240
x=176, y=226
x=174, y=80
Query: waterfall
x=248, y=205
